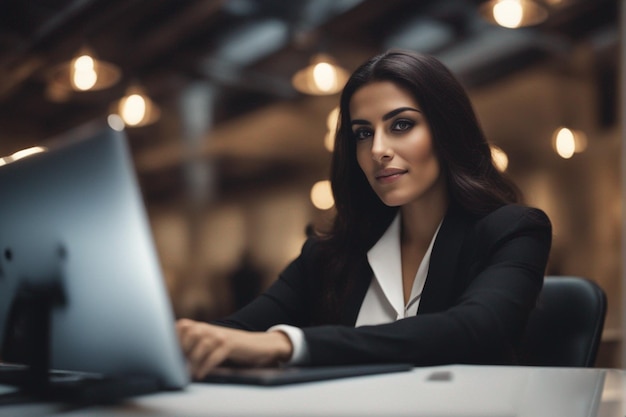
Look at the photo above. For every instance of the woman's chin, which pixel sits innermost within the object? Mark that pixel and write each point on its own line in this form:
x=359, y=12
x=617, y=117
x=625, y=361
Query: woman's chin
x=392, y=202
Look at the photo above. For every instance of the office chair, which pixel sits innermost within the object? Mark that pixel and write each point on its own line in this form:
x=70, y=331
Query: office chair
x=566, y=326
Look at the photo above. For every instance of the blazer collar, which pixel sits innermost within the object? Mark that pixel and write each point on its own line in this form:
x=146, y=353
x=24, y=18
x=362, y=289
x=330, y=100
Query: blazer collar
x=444, y=259
x=354, y=298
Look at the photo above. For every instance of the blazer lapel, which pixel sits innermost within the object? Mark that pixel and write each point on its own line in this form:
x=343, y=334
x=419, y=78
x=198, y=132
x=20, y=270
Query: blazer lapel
x=443, y=262
x=352, y=304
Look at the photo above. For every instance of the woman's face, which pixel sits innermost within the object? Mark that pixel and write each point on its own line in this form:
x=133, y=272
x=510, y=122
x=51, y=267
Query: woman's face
x=394, y=145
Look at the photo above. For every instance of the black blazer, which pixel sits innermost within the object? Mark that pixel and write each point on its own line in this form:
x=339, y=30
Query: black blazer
x=484, y=278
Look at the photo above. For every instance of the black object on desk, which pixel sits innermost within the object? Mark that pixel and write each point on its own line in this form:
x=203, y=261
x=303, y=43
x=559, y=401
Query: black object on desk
x=70, y=387
x=293, y=375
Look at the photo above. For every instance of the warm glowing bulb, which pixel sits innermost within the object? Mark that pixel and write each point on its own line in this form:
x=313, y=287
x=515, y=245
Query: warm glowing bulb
x=324, y=76
x=500, y=159
x=565, y=143
x=508, y=13
x=133, y=109
x=84, y=75
x=321, y=195
x=331, y=123
x=83, y=63
x=331, y=120
x=329, y=141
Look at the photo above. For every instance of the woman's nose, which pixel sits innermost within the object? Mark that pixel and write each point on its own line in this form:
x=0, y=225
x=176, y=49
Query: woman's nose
x=380, y=147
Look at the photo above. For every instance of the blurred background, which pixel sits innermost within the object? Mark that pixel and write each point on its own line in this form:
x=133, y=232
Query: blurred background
x=228, y=117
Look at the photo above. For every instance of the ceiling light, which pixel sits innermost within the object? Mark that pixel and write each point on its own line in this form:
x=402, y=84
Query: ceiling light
x=514, y=13
x=136, y=108
x=331, y=122
x=84, y=72
x=332, y=119
x=500, y=158
x=322, y=195
x=322, y=77
x=567, y=142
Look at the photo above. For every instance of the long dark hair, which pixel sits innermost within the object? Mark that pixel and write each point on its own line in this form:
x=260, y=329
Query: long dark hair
x=473, y=182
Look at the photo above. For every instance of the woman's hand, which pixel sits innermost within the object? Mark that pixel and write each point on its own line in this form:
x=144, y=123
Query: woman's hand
x=206, y=346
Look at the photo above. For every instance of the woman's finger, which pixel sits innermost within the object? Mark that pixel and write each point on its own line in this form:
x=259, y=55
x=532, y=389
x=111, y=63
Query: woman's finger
x=187, y=334
x=199, y=351
x=213, y=359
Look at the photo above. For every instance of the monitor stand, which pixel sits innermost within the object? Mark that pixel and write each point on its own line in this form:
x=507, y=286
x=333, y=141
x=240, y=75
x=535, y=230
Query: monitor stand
x=30, y=324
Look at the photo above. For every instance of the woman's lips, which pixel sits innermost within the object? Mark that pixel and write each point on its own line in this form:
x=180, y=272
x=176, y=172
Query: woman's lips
x=389, y=175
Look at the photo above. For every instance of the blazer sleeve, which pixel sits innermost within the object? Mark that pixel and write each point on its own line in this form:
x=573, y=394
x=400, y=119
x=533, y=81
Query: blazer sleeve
x=286, y=301
x=509, y=250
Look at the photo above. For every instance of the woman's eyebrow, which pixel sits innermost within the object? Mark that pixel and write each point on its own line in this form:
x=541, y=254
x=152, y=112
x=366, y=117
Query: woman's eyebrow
x=387, y=116
x=359, y=122
x=398, y=111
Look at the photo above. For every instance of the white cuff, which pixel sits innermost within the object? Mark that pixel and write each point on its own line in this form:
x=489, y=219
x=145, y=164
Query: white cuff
x=300, y=353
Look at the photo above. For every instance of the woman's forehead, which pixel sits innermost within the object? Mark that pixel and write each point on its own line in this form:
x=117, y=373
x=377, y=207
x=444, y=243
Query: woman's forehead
x=378, y=98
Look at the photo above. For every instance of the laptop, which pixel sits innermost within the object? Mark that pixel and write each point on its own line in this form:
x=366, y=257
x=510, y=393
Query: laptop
x=81, y=287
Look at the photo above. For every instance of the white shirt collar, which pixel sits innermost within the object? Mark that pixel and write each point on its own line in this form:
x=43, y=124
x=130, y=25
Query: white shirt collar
x=385, y=260
x=385, y=295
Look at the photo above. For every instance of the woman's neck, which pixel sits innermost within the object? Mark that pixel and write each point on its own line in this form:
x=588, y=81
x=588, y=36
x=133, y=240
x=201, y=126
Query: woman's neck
x=421, y=218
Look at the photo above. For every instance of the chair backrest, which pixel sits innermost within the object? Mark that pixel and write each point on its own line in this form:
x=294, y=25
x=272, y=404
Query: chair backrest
x=566, y=326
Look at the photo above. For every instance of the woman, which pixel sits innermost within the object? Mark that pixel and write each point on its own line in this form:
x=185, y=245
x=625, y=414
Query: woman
x=431, y=259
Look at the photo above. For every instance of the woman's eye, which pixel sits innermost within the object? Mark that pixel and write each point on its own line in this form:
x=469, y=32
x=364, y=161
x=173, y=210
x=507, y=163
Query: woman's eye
x=402, y=125
x=361, y=134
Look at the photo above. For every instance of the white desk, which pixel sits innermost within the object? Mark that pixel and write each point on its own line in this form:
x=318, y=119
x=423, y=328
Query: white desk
x=460, y=391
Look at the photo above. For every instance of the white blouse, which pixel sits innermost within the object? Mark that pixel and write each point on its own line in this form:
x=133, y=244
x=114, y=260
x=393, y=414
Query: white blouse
x=384, y=300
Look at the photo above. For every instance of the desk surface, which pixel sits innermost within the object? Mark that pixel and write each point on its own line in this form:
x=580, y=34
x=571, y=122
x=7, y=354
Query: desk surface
x=458, y=390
